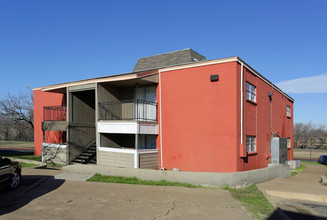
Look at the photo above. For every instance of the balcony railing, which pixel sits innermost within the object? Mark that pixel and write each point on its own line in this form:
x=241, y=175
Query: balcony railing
x=137, y=109
x=54, y=113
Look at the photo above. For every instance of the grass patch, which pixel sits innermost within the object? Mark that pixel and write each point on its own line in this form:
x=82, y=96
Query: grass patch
x=133, y=180
x=26, y=165
x=53, y=165
x=254, y=201
x=30, y=157
x=298, y=170
x=325, y=184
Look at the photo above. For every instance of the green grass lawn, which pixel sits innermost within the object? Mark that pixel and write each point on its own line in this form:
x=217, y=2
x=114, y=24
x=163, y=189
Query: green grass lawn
x=134, y=180
x=29, y=157
x=298, y=170
x=26, y=165
x=254, y=201
x=314, y=163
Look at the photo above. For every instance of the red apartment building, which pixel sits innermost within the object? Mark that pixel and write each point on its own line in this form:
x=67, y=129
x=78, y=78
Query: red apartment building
x=175, y=110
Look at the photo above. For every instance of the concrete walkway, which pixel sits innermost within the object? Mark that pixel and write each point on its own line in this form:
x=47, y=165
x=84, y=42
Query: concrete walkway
x=299, y=194
x=73, y=176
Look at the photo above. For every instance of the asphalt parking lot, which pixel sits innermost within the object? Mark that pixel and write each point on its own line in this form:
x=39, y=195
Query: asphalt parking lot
x=42, y=196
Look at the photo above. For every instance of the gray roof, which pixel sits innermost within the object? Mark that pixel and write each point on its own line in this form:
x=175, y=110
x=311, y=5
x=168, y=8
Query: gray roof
x=168, y=59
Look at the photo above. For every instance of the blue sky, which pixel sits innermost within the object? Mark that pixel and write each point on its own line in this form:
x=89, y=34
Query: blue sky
x=55, y=41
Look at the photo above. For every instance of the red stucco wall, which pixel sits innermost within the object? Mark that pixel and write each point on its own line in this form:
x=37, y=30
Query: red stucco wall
x=199, y=118
x=44, y=99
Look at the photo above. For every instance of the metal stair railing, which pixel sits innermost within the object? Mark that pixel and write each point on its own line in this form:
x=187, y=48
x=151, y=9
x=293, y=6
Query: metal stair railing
x=113, y=115
x=86, y=147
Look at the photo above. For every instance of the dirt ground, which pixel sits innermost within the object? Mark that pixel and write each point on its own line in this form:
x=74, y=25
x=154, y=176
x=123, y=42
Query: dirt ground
x=16, y=144
x=305, y=153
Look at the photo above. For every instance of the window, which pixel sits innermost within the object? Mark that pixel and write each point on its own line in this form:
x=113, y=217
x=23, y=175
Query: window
x=147, y=141
x=250, y=92
x=250, y=144
x=288, y=143
x=288, y=111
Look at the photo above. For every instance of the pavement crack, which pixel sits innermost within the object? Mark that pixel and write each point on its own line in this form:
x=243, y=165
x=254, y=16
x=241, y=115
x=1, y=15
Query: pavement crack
x=173, y=201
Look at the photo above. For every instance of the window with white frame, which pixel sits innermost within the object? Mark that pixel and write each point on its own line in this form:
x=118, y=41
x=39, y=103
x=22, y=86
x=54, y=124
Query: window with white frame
x=288, y=111
x=250, y=92
x=250, y=144
x=288, y=143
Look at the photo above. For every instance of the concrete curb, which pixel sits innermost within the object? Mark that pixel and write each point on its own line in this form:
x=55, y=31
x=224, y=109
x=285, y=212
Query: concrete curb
x=297, y=196
x=73, y=176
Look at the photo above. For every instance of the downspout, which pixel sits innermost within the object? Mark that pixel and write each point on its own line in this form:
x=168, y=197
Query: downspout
x=160, y=123
x=242, y=103
x=242, y=73
x=270, y=94
x=271, y=113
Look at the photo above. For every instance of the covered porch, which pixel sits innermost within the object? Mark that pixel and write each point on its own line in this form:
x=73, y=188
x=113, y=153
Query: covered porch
x=128, y=150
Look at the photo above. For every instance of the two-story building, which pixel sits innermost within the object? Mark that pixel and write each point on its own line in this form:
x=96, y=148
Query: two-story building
x=174, y=110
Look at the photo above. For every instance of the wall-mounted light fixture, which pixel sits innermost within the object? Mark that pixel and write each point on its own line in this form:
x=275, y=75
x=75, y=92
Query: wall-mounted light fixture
x=214, y=78
x=270, y=94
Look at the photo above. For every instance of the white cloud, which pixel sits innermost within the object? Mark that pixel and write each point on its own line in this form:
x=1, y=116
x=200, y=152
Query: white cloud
x=312, y=84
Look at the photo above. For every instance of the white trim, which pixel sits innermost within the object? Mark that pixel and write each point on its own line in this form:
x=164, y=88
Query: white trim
x=148, y=151
x=94, y=80
x=265, y=80
x=117, y=150
x=54, y=145
x=183, y=66
x=136, y=159
x=127, y=127
x=160, y=122
x=224, y=60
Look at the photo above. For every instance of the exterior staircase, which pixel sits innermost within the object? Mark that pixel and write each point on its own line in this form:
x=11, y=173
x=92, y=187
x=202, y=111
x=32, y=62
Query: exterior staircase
x=87, y=156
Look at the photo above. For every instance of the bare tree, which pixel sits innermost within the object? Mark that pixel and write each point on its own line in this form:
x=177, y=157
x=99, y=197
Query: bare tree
x=19, y=108
x=5, y=126
x=309, y=135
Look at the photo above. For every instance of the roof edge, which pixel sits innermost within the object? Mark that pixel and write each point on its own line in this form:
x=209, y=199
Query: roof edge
x=225, y=60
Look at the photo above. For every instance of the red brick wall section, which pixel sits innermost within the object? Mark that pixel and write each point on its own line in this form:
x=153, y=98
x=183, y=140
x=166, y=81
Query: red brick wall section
x=257, y=121
x=44, y=99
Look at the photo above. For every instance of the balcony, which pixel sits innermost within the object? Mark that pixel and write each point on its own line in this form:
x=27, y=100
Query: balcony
x=54, y=113
x=137, y=110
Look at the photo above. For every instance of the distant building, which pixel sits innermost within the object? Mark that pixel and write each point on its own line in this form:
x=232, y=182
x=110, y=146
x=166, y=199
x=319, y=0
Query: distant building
x=175, y=110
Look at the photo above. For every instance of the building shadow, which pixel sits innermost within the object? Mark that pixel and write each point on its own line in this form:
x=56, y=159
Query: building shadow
x=16, y=152
x=32, y=187
x=284, y=214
